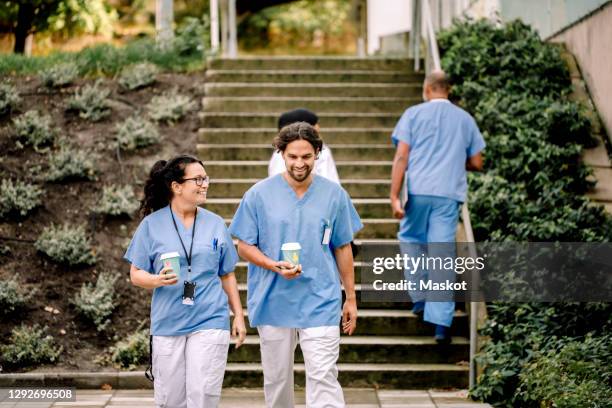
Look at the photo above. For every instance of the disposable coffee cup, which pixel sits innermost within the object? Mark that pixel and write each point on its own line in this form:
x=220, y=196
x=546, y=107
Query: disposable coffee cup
x=291, y=252
x=173, y=260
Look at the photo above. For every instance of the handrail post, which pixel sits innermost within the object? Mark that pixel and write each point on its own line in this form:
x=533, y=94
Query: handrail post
x=214, y=25
x=469, y=237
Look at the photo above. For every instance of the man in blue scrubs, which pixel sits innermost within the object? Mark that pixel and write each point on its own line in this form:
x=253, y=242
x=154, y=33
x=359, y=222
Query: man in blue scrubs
x=290, y=303
x=436, y=143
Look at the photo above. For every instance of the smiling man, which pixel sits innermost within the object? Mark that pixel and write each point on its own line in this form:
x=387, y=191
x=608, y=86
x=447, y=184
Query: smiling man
x=290, y=303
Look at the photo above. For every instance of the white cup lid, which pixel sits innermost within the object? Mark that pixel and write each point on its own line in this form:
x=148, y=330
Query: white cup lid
x=169, y=255
x=291, y=246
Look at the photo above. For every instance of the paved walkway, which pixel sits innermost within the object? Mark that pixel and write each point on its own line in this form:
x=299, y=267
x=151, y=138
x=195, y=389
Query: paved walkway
x=253, y=398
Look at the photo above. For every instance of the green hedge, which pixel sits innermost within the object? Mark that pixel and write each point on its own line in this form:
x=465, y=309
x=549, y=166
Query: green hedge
x=187, y=52
x=532, y=189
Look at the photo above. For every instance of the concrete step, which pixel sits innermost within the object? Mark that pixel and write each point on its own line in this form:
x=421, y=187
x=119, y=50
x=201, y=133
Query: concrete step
x=374, y=349
x=312, y=63
x=373, y=228
x=603, y=189
x=270, y=119
x=266, y=135
x=597, y=156
x=368, y=303
x=312, y=76
x=316, y=104
x=407, y=376
x=366, y=207
x=312, y=90
x=395, y=322
x=259, y=169
x=356, y=188
x=353, y=152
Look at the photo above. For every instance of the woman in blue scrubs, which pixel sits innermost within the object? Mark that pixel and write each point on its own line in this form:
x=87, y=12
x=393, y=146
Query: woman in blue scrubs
x=190, y=319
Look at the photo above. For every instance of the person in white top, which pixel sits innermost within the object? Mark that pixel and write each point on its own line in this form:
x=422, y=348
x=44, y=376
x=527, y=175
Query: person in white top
x=324, y=165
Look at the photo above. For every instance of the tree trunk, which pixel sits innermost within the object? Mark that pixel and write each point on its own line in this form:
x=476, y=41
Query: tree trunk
x=25, y=17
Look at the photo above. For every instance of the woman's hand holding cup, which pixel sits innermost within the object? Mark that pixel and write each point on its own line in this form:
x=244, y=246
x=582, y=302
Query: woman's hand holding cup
x=166, y=277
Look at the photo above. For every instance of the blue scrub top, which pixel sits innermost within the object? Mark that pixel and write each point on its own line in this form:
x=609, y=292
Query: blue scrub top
x=271, y=214
x=155, y=236
x=441, y=137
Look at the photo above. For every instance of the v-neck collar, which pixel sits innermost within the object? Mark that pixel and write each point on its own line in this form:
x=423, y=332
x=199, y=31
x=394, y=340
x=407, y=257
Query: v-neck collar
x=179, y=220
x=292, y=191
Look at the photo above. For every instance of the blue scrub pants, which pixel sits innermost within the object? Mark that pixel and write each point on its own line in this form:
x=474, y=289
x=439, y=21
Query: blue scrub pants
x=430, y=219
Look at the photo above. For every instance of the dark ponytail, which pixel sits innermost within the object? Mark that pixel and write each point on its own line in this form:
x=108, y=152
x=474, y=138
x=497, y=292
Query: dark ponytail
x=157, y=191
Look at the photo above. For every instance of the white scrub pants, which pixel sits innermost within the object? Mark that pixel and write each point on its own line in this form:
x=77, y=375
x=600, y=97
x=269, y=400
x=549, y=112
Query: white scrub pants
x=189, y=369
x=321, y=349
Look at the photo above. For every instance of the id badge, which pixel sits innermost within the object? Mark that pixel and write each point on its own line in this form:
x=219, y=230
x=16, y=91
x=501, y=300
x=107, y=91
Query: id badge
x=189, y=293
x=326, y=233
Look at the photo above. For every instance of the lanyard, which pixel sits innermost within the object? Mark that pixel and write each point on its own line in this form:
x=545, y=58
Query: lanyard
x=187, y=255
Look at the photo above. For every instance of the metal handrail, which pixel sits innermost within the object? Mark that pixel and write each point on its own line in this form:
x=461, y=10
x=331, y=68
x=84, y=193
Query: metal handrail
x=434, y=54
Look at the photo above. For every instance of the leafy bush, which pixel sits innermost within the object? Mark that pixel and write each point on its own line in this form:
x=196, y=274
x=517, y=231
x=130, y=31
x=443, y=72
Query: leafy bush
x=117, y=200
x=138, y=75
x=69, y=163
x=516, y=87
x=522, y=332
x=59, y=75
x=106, y=59
x=28, y=346
x=91, y=103
x=136, y=132
x=66, y=244
x=169, y=107
x=12, y=296
x=96, y=303
x=9, y=98
x=18, y=197
x=569, y=374
x=132, y=351
x=34, y=128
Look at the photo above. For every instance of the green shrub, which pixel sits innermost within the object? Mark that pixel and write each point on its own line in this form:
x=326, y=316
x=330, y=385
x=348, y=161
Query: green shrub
x=66, y=244
x=169, y=107
x=91, y=103
x=521, y=332
x=132, y=351
x=97, y=303
x=34, y=128
x=516, y=87
x=570, y=374
x=136, y=132
x=69, y=163
x=9, y=98
x=138, y=75
x=59, y=75
x=28, y=346
x=18, y=198
x=12, y=296
x=117, y=200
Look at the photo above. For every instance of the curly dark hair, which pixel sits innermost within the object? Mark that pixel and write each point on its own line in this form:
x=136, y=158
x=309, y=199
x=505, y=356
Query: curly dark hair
x=157, y=191
x=298, y=131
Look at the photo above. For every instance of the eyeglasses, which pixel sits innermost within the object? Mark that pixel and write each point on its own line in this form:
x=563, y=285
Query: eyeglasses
x=199, y=180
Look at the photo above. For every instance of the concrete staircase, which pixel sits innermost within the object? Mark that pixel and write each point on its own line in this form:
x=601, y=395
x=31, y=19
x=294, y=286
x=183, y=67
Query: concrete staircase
x=358, y=102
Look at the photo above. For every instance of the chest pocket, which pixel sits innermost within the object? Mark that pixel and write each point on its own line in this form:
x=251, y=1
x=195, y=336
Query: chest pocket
x=206, y=258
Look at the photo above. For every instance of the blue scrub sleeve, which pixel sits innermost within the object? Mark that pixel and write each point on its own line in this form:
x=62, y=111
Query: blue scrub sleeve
x=477, y=142
x=356, y=224
x=138, y=252
x=229, y=256
x=402, y=132
x=342, y=226
x=244, y=224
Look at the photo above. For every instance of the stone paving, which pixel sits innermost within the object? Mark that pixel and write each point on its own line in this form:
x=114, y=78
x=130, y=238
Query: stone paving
x=253, y=398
